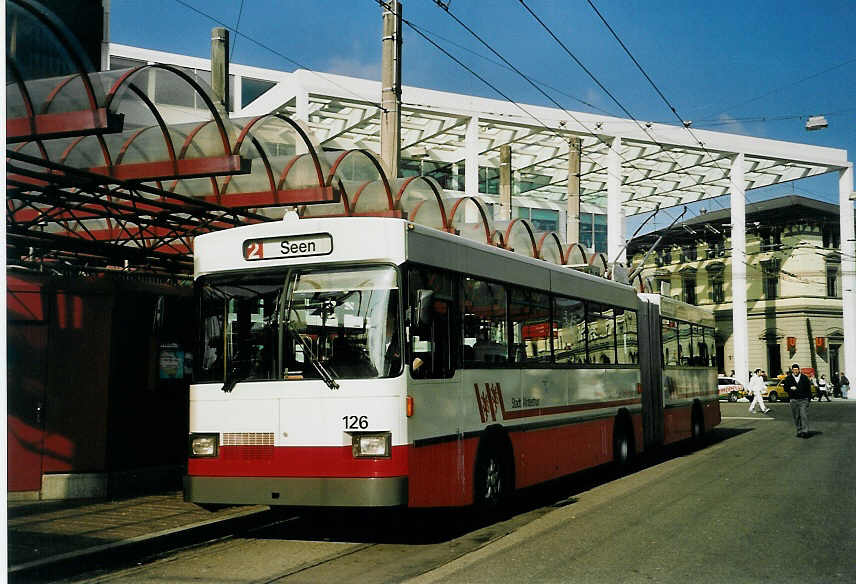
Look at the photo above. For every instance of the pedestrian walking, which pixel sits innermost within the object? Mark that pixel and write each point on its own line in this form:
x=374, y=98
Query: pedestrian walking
x=756, y=386
x=822, y=389
x=799, y=390
x=845, y=385
x=836, y=385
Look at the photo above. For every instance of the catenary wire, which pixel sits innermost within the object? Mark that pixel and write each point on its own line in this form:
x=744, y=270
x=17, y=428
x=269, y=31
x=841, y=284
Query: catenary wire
x=281, y=55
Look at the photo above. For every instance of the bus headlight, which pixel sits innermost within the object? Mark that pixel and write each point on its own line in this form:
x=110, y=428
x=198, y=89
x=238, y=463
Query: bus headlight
x=204, y=445
x=371, y=444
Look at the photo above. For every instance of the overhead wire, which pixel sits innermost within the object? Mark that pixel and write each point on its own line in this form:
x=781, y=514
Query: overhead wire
x=671, y=107
x=615, y=99
x=789, y=85
x=281, y=55
x=541, y=123
x=237, y=27
x=593, y=132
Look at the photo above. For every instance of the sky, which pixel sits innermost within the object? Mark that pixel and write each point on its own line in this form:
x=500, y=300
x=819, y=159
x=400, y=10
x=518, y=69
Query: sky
x=758, y=68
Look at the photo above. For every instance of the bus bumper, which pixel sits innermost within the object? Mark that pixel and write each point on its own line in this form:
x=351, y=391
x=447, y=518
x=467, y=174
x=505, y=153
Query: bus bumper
x=297, y=491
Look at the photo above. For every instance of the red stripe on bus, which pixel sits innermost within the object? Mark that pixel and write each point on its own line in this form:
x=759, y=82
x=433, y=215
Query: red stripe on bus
x=297, y=461
x=441, y=475
x=516, y=414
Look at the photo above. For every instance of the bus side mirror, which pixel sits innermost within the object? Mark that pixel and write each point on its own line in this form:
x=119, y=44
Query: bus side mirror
x=424, y=300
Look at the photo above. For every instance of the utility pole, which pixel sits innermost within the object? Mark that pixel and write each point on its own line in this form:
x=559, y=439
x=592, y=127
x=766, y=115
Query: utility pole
x=505, y=182
x=390, y=100
x=573, y=221
x=220, y=68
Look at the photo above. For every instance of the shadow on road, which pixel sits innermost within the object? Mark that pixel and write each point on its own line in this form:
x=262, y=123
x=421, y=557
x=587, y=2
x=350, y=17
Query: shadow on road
x=432, y=526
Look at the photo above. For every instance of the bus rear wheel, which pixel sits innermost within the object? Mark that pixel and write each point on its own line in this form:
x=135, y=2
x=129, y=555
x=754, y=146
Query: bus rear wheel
x=623, y=448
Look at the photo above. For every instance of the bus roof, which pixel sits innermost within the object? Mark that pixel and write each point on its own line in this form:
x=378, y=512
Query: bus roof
x=391, y=240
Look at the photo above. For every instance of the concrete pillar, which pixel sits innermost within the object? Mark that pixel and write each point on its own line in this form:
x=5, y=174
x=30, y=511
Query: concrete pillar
x=390, y=115
x=220, y=67
x=505, y=183
x=739, y=313
x=573, y=216
x=105, y=40
x=848, y=275
x=471, y=161
x=614, y=235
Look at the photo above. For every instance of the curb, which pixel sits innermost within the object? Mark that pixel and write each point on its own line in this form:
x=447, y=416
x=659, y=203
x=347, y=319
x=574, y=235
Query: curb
x=125, y=543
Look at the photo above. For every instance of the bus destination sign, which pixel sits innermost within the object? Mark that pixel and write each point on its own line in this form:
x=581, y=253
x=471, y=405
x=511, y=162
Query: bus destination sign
x=273, y=248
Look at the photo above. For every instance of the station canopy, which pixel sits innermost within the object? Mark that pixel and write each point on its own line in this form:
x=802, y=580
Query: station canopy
x=122, y=168
x=661, y=165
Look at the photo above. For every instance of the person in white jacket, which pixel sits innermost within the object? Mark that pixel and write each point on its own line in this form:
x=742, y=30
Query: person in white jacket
x=756, y=386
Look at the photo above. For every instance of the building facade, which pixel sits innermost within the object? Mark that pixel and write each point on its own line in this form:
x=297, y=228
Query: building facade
x=793, y=267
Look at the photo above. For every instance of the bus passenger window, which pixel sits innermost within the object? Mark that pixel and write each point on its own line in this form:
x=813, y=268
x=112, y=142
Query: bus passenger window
x=529, y=312
x=431, y=317
x=569, y=324
x=601, y=325
x=626, y=336
x=669, y=333
x=685, y=344
x=485, y=324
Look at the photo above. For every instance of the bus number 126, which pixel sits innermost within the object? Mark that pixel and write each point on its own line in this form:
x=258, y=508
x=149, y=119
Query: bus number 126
x=356, y=422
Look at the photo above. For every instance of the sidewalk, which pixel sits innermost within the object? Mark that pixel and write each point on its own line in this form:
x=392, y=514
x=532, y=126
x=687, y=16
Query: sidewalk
x=41, y=533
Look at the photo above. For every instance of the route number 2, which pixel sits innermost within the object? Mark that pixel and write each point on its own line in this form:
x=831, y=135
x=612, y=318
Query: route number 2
x=253, y=251
x=356, y=422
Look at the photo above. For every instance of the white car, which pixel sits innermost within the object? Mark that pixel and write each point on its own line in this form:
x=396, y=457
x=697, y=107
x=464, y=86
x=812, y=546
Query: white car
x=730, y=389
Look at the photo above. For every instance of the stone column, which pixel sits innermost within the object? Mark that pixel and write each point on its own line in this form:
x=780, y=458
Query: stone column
x=848, y=275
x=739, y=313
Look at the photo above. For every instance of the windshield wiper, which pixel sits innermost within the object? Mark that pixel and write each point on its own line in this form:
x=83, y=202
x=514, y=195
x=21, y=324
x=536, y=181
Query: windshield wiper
x=233, y=377
x=307, y=350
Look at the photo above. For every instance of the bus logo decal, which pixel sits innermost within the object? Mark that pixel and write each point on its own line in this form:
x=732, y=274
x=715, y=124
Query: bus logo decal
x=489, y=400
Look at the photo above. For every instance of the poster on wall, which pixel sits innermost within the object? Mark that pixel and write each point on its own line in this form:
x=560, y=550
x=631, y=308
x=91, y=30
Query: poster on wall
x=171, y=361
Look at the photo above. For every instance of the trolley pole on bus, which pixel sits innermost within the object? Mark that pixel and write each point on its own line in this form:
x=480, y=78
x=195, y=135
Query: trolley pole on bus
x=390, y=101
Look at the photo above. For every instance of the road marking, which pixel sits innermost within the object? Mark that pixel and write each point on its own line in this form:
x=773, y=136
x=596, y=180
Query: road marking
x=747, y=418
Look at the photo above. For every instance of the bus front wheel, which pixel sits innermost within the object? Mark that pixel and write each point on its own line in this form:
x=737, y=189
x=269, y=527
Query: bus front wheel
x=493, y=480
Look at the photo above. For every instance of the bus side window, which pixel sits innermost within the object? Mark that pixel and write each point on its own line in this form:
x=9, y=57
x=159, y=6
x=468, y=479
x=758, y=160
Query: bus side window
x=485, y=323
x=431, y=317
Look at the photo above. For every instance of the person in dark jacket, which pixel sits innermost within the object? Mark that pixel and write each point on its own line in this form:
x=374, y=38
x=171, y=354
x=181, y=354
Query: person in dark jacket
x=798, y=387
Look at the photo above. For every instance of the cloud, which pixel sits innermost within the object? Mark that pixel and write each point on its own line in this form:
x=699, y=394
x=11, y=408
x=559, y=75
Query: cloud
x=353, y=68
x=731, y=125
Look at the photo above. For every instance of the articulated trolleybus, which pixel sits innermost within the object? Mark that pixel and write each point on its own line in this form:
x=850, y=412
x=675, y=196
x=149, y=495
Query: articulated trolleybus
x=372, y=362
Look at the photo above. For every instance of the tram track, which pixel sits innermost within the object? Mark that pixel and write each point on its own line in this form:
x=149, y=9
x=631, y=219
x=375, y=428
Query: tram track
x=328, y=545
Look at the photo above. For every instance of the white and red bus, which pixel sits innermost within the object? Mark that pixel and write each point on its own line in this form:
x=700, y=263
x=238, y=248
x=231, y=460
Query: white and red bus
x=373, y=362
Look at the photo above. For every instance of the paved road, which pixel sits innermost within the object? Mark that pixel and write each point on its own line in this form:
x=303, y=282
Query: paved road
x=756, y=505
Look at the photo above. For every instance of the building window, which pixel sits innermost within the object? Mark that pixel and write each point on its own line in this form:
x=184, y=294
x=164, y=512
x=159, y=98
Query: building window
x=716, y=280
x=833, y=280
x=488, y=180
x=771, y=238
x=831, y=236
x=252, y=89
x=715, y=248
x=600, y=232
x=586, y=230
x=689, y=253
x=770, y=275
x=541, y=219
x=688, y=286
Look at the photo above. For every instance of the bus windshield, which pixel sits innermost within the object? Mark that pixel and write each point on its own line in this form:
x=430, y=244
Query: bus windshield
x=294, y=324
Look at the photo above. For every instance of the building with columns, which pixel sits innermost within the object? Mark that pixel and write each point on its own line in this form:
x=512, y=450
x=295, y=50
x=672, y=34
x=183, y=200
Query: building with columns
x=793, y=280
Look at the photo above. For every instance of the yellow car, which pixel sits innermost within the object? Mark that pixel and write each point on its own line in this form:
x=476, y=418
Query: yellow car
x=775, y=391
